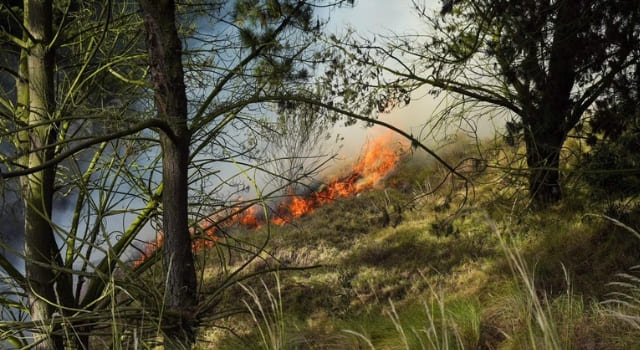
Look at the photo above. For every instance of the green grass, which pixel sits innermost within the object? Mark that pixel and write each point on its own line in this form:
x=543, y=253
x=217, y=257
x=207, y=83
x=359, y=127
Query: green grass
x=430, y=275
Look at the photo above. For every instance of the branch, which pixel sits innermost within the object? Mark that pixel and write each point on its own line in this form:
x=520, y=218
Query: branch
x=12, y=72
x=12, y=271
x=220, y=86
x=306, y=99
x=111, y=259
x=596, y=91
x=477, y=92
x=471, y=91
x=13, y=39
x=20, y=22
x=153, y=123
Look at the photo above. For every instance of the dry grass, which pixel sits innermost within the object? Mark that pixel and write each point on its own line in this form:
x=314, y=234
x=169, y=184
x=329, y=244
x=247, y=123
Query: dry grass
x=404, y=268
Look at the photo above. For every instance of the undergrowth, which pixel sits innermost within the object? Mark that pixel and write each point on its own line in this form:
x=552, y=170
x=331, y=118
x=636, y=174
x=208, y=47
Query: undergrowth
x=423, y=261
x=446, y=271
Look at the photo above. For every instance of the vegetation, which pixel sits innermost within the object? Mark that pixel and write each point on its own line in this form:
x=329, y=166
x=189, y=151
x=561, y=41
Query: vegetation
x=496, y=275
x=539, y=65
x=162, y=175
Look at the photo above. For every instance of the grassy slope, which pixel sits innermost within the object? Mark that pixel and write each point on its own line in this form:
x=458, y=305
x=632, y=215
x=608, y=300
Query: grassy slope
x=404, y=271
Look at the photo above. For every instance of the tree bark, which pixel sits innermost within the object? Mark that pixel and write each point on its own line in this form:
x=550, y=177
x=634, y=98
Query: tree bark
x=164, y=48
x=41, y=250
x=543, y=162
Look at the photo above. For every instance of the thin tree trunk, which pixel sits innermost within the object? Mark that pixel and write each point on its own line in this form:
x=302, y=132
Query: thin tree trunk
x=163, y=45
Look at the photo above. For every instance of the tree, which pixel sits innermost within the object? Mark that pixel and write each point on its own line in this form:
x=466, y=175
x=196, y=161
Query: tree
x=612, y=132
x=165, y=56
x=264, y=66
x=543, y=62
x=41, y=251
x=57, y=56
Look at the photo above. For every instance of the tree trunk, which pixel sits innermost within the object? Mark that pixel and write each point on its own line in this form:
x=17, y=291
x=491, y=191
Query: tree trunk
x=163, y=45
x=543, y=160
x=40, y=245
x=547, y=128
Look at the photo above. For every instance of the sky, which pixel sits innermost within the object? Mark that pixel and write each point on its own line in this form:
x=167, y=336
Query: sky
x=374, y=16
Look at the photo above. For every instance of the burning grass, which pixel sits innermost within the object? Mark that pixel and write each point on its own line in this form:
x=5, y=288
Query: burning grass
x=450, y=279
x=379, y=159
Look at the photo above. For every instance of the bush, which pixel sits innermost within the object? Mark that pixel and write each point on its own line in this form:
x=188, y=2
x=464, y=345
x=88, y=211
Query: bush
x=612, y=169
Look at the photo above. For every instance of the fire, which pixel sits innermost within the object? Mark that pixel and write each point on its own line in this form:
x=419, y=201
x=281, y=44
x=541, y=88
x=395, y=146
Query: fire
x=376, y=163
x=379, y=159
x=249, y=217
x=300, y=206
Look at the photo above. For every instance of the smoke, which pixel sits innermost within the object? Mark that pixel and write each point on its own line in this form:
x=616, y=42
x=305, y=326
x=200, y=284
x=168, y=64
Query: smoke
x=378, y=159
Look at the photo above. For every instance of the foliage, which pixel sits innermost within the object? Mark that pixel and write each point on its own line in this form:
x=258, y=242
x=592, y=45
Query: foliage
x=537, y=65
x=103, y=150
x=610, y=164
x=613, y=132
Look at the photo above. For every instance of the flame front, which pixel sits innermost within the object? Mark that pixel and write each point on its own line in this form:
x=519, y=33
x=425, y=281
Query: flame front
x=380, y=157
x=378, y=161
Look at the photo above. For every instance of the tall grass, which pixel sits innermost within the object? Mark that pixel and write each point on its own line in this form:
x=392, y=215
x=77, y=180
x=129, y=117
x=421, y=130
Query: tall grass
x=440, y=331
x=624, y=303
x=541, y=324
x=626, y=299
x=267, y=315
x=447, y=327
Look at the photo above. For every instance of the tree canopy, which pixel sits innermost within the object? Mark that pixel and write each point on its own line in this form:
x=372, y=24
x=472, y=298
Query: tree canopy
x=543, y=63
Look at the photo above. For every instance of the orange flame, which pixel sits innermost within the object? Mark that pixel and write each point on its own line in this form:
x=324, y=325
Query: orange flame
x=248, y=218
x=380, y=158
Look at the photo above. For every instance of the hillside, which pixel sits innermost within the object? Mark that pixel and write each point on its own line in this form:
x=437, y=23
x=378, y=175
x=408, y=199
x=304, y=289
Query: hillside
x=397, y=267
